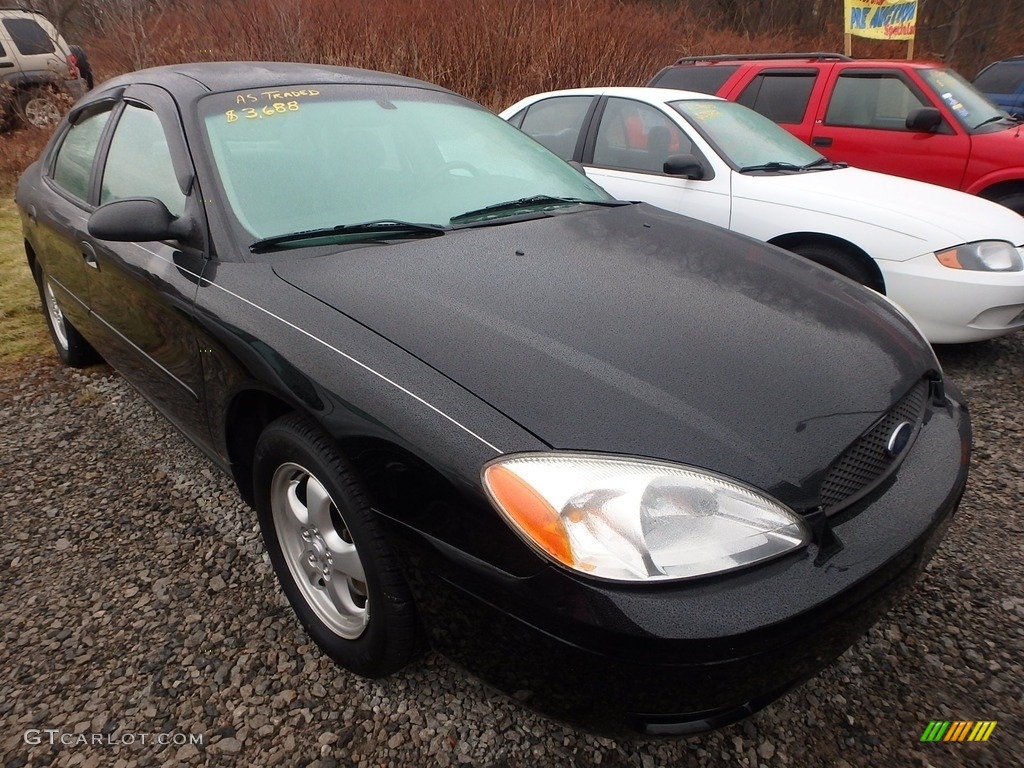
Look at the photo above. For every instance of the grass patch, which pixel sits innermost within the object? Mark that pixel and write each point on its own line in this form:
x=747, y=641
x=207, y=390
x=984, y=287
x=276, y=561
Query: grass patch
x=22, y=328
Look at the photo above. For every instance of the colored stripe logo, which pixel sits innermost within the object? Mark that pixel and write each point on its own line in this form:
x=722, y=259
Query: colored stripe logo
x=958, y=730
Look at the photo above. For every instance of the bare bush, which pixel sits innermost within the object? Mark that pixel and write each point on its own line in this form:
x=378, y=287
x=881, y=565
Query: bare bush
x=17, y=150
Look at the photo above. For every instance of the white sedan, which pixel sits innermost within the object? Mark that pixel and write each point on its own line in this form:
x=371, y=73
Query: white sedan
x=952, y=261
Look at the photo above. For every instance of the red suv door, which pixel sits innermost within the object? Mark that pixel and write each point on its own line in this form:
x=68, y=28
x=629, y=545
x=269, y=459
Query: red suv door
x=862, y=121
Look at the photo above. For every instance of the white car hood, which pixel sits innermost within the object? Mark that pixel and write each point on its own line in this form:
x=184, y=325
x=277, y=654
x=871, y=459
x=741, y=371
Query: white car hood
x=937, y=216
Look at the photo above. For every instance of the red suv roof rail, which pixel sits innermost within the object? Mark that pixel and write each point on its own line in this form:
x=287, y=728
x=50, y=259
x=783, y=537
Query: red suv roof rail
x=816, y=56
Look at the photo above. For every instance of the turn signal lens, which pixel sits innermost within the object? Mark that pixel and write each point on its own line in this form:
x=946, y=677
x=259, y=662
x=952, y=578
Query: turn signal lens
x=529, y=512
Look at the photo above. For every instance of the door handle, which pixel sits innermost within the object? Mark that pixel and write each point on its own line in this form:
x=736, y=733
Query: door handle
x=89, y=254
x=821, y=141
x=6, y=64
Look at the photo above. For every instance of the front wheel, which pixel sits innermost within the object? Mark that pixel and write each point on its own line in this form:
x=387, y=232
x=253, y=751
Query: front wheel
x=1012, y=200
x=329, y=551
x=838, y=260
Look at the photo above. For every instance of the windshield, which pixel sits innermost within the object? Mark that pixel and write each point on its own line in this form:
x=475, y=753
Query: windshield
x=971, y=107
x=330, y=156
x=746, y=139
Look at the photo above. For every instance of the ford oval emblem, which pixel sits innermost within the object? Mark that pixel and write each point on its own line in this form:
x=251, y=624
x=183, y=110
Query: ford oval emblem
x=898, y=439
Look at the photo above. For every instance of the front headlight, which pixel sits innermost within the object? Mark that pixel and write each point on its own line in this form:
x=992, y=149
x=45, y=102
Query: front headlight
x=983, y=256
x=635, y=519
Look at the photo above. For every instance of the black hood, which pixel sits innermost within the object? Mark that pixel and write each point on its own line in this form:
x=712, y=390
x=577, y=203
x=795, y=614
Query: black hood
x=634, y=331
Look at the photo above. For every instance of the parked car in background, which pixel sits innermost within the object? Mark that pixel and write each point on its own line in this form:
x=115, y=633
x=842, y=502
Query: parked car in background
x=952, y=261
x=40, y=74
x=1003, y=82
x=913, y=119
x=642, y=471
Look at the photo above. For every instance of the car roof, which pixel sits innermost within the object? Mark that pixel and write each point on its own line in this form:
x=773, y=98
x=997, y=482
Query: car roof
x=640, y=93
x=797, y=60
x=200, y=78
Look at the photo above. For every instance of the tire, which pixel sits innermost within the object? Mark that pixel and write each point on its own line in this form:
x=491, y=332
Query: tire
x=72, y=348
x=84, y=68
x=1012, y=200
x=329, y=551
x=838, y=260
x=40, y=107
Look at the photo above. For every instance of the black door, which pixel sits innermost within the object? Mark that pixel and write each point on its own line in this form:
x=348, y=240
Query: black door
x=143, y=293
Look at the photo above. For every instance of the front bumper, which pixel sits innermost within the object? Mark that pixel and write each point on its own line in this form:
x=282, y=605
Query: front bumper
x=954, y=306
x=683, y=657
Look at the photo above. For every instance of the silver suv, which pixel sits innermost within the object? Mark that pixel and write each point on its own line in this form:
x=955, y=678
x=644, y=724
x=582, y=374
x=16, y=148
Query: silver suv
x=40, y=74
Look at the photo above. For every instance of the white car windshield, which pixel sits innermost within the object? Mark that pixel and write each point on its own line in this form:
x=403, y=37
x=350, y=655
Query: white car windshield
x=745, y=139
x=305, y=158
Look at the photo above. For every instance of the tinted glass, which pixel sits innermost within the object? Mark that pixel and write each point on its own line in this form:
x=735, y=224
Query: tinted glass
x=1005, y=77
x=872, y=101
x=139, y=162
x=637, y=137
x=971, y=107
x=699, y=78
x=77, y=153
x=323, y=156
x=781, y=97
x=556, y=123
x=29, y=38
x=742, y=136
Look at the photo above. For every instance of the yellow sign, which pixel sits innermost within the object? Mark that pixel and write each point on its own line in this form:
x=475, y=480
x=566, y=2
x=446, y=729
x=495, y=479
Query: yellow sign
x=882, y=19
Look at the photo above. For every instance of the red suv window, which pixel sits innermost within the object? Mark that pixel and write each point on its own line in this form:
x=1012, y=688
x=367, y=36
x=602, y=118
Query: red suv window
x=696, y=78
x=780, y=96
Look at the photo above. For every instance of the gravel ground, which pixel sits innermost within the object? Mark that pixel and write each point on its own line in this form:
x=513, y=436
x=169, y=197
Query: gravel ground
x=139, y=608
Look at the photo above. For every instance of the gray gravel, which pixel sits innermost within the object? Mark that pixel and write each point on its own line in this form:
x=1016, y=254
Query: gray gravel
x=138, y=605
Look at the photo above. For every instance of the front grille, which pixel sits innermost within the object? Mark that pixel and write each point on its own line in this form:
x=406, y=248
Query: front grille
x=867, y=462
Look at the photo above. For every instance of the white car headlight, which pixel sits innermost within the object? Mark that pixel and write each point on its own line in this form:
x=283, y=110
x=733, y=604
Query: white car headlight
x=632, y=519
x=982, y=256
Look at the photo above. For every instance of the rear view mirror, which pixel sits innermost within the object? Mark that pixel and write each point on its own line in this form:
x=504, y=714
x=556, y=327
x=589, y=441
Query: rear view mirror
x=924, y=119
x=687, y=166
x=136, y=219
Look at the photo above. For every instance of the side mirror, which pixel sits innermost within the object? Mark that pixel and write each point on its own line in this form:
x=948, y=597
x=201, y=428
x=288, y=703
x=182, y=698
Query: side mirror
x=578, y=166
x=687, y=166
x=924, y=119
x=137, y=219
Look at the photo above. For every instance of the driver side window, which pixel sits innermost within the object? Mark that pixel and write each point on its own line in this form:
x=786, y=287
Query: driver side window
x=139, y=162
x=637, y=137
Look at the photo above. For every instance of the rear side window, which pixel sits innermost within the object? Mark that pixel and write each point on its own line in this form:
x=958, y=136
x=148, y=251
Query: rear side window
x=556, y=123
x=77, y=153
x=1001, y=78
x=880, y=101
x=29, y=37
x=702, y=79
x=780, y=96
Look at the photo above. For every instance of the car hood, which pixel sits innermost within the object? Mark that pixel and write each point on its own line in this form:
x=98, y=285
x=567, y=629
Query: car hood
x=635, y=331
x=937, y=216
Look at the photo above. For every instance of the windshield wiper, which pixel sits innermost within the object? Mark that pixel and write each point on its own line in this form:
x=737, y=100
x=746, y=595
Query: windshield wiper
x=380, y=230
x=772, y=166
x=821, y=162
x=993, y=119
x=527, y=203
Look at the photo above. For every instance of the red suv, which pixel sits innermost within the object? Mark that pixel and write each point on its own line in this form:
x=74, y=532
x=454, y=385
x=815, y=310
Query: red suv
x=912, y=119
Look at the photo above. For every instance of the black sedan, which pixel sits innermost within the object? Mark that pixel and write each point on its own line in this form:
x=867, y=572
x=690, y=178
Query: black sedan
x=646, y=473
